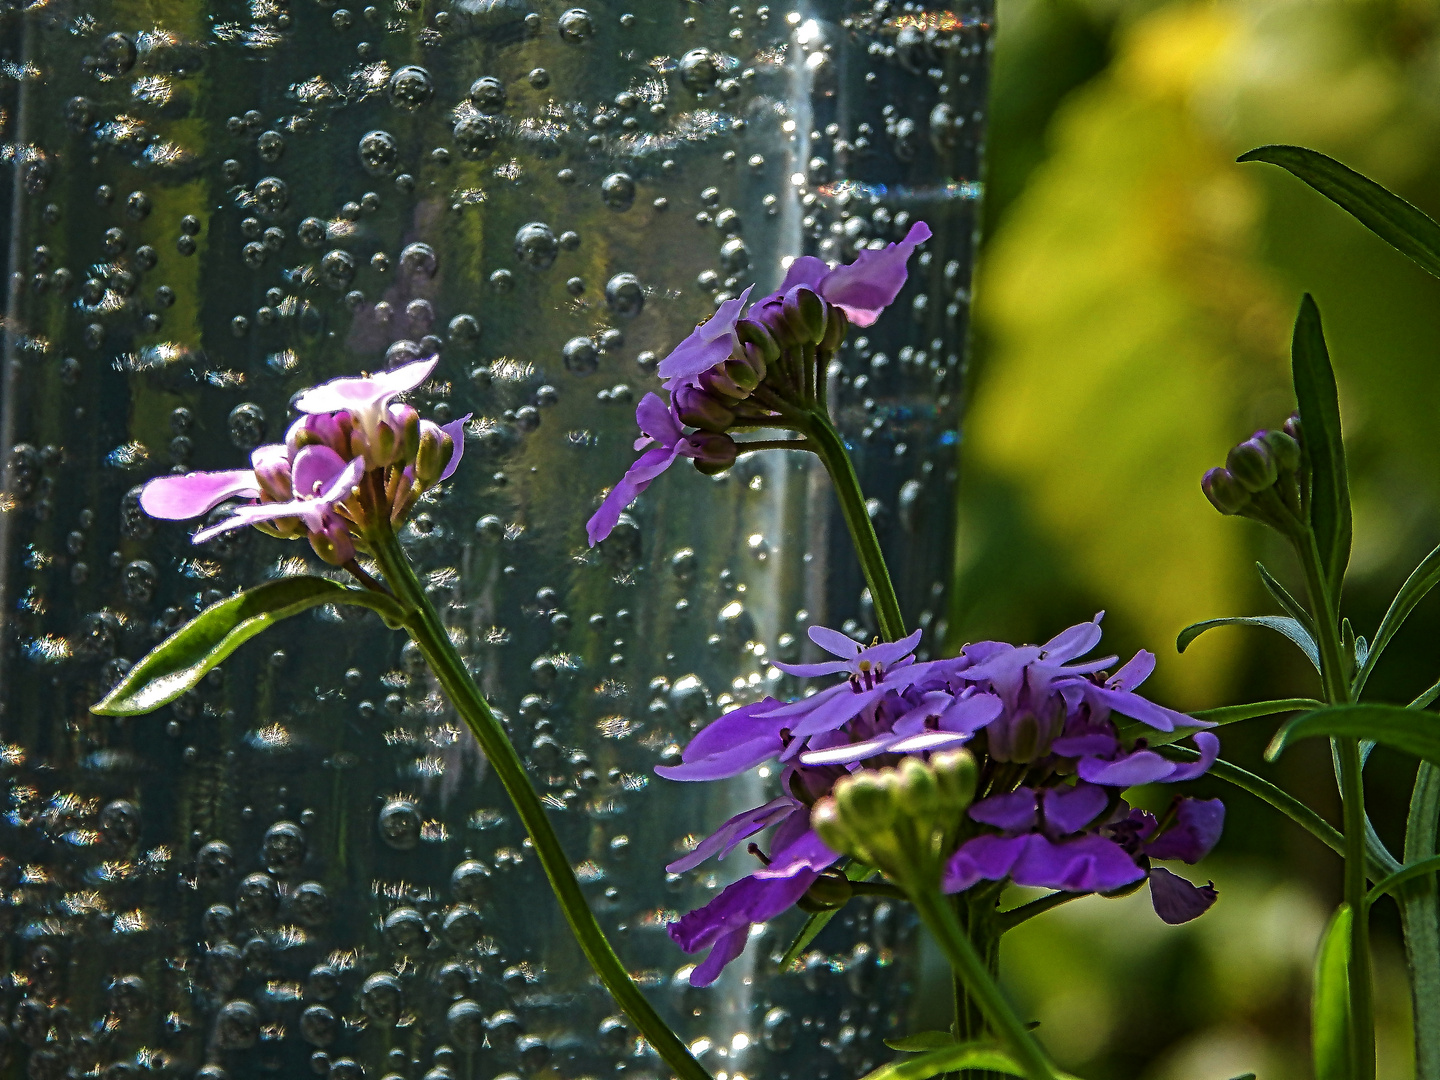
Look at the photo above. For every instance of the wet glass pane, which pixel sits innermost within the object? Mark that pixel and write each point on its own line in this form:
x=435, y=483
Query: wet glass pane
x=305, y=863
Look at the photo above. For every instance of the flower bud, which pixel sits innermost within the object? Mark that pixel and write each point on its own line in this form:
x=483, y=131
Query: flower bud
x=919, y=794
x=825, y=819
x=829, y=891
x=702, y=409
x=717, y=381
x=272, y=476
x=756, y=334
x=333, y=545
x=804, y=314
x=1293, y=429
x=1224, y=492
x=433, y=454
x=715, y=452
x=406, y=422
x=1284, y=449
x=956, y=776
x=837, y=325
x=867, y=801
x=1253, y=465
x=744, y=375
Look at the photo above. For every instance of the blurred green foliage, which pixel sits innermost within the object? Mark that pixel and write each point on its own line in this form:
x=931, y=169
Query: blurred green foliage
x=1132, y=316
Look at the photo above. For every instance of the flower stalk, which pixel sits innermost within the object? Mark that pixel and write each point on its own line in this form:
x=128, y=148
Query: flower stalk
x=428, y=633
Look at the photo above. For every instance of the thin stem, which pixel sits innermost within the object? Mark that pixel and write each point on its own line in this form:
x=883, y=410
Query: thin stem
x=774, y=444
x=831, y=451
x=358, y=573
x=1008, y=920
x=428, y=633
x=1334, y=675
x=939, y=917
x=878, y=888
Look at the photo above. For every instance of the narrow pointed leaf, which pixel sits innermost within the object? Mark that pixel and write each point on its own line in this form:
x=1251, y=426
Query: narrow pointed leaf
x=922, y=1040
x=1228, y=714
x=948, y=1059
x=1283, y=597
x=1406, y=873
x=1404, y=227
x=179, y=662
x=1281, y=624
x=1417, y=586
x=1323, y=451
x=1330, y=1000
x=1411, y=731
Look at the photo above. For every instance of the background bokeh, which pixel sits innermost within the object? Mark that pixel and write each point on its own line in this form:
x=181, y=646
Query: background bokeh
x=1133, y=310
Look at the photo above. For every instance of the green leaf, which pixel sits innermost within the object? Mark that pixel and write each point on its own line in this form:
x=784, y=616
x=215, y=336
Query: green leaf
x=1410, y=731
x=855, y=871
x=1400, y=877
x=1329, y=497
x=1281, y=624
x=184, y=658
x=1227, y=714
x=1330, y=1000
x=1404, y=227
x=1293, y=607
x=948, y=1059
x=1421, y=580
x=922, y=1040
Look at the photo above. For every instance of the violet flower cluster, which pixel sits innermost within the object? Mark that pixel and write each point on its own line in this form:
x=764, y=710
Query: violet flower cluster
x=352, y=458
x=1052, y=766
x=763, y=368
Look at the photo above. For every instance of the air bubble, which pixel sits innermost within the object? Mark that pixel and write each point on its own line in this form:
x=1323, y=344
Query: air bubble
x=581, y=356
x=475, y=135
x=271, y=195
x=535, y=245
x=411, y=86
x=400, y=824
x=379, y=153
x=618, y=191
x=487, y=94
x=381, y=999
x=337, y=269
x=699, y=70
x=576, y=26
x=247, y=425
x=624, y=295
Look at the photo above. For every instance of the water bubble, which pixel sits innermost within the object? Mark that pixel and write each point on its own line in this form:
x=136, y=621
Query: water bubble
x=337, y=269
x=503, y=1026
x=689, y=698
x=462, y=927
x=411, y=86
x=381, y=999
x=618, y=191
x=272, y=195
x=418, y=259
x=581, y=356
x=576, y=26
x=139, y=580
x=120, y=822
x=778, y=1030
x=129, y=997
x=247, y=425
x=535, y=245
x=463, y=330
x=319, y=1026
x=403, y=352
x=466, y=1021
x=218, y=922
x=311, y=903
x=405, y=930
x=539, y=78
x=312, y=232
x=699, y=70
x=270, y=146
x=257, y=898
x=475, y=135
x=400, y=824
x=487, y=94
x=116, y=55
x=379, y=153
x=237, y=1026
x=283, y=847
x=735, y=256
x=616, y=1036
x=624, y=295
x=223, y=966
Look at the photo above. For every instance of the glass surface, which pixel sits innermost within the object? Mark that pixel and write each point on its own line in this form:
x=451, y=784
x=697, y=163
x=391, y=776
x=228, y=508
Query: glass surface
x=215, y=205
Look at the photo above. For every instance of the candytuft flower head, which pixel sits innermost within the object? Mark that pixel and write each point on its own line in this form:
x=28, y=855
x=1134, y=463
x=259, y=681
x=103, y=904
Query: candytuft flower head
x=339, y=472
x=764, y=368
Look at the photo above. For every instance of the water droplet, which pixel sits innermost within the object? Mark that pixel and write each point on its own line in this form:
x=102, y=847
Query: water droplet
x=405, y=930
x=487, y=94
x=461, y=928
x=379, y=153
x=116, y=55
x=283, y=847
x=535, y=245
x=475, y=135
x=699, y=70
x=576, y=26
x=466, y=1021
x=400, y=824
x=463, y=330
x=618, y=191
x=337, y=269
x=311, y=903
x=581, y=356
x=272, y=195
x=319, y=1026
x=382, y=999
x=778, y=1030
x=237, y=1026
x=411, y=86
x=257, y=898
x=270, y=146
x=247, y=425
x=418, y=259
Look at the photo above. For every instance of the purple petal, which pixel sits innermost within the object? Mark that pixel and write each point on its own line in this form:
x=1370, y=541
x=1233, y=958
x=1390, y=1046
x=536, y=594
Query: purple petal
x=970, y=714
x=365, y=395
x=1137, y=708
x=708, y=344
x=929, y=742
x=834, y=642
x=636, y=479
x=723, y=840
x=985, y=858
x=727, y=947
x=729, y=746
x=888, y=652
x=1014, y=812
x=456, y=430
x=1076, y=641
x=833, y=712
x=805, y=853
x=1095, y=744
x=1130, y=770
x=1177, y=900
x=1209, y=747
x=1140, y=667
x=1004, y=670
x=805, y=270
x=1084, y=864
x=315, y=467
x=1070, y=809
x=870, y=284
x=177, y=498
x=811, y=671
x=1196, y=831
x=847, y=753
x=657, y=420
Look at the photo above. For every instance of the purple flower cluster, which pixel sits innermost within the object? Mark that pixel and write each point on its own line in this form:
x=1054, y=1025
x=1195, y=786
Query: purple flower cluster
x=311, y=484
x=1040, y=721
x=754, y=368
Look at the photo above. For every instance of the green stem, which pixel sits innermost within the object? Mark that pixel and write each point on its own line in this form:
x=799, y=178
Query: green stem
x=1419, y=902
x=1334, y=674
x=1008, y=920
x=829, y=447
x=428, y=633
x=939, y=917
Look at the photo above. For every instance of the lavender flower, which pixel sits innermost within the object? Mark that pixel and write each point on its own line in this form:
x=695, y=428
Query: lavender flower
x=315, y=483
x=1052, y=765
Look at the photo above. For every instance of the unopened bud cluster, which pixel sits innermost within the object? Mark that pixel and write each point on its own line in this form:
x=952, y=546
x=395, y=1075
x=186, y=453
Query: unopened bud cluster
x=903, y=819
x=1262, y=478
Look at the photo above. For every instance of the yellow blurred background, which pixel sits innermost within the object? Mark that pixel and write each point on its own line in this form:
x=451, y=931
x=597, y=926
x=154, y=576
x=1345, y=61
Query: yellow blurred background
x=1133, y=314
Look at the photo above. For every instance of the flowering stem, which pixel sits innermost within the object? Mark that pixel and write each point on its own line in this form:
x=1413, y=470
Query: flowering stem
x=939, y=917
x=829, y=447
x=1335, y=677
x=429, y=634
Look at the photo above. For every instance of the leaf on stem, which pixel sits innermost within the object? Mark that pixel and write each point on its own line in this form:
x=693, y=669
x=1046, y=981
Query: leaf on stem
x=921, y=1066
x=1404, y=227
x=1283, y=597
x=1405, y=874
x=1410, y=731
x=179, y=662
x=1330, y=1000
x=1315, y=391
x=1421, y=580
x=1281, y=624
x=920, y=1041
x=1227, y=714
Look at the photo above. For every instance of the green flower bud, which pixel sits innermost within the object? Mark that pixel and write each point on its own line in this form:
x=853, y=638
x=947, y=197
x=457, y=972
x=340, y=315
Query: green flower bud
x=1224, y=492
x=1284, y=449
x=756, y=334
x=1253, y=465
x=805, y=315
x=699, y=408
x=825, y=819
x=956, y=775
x=433, y=454
x=868, y=802
x=837, y=325
x=919, y=793
x=830, y=891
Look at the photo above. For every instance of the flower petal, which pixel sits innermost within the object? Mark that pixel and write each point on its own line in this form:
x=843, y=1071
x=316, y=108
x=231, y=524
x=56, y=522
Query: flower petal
x=1015, y=811
x=727, y=947
x=1209, y=747
x=1196, y=831
x=1076, y=641
x=1084, y=864
x=456, y=430
x=869, y=285
x=811, y=671
x=1139, y=668
x=636, y=479
x=177, y=498
x=985, y=858
x=972, y=713
x=1176, y=900
x=367, y=394
x=708, y=344
x=834, y=642
x=723, y=840
x=735, y=743
x=1070, y=809
x=888, y=652
x=315, y=467
x=847, y=753
x=1129, y=770
x=805, y=270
